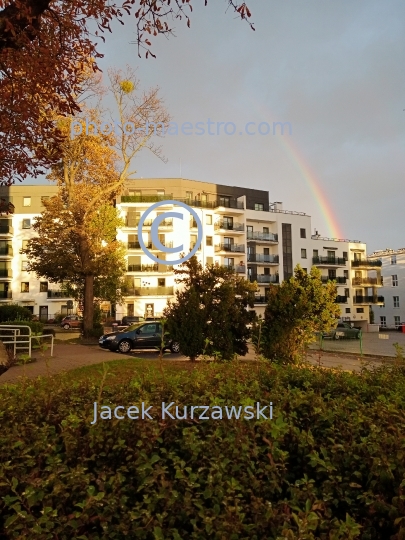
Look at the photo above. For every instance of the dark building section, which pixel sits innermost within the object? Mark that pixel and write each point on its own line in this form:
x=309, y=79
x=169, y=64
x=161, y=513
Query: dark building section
x=287, y=250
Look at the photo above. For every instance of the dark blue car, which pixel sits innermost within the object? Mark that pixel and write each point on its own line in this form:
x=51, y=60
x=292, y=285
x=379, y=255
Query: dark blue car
x=138, y=336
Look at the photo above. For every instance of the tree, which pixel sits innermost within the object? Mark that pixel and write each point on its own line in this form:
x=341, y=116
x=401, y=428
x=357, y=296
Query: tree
x=296, y=310
x=45, y=46
x=83, y=253
x=211, y=306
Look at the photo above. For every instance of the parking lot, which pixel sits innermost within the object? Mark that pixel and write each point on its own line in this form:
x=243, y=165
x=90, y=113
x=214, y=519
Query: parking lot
x=372, y=344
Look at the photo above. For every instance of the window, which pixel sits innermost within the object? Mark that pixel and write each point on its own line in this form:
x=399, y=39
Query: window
x=393, y=259
x=189, y=195
x=395, y=280
x=160, y=192
x=259, y=206
x=383, y=320
x=303, y=233
x=249, y=230
x=43, y=286
x=208, y=219
x=25, y=286
x=24, y=244
x=266, y=271
x=331, y=255
x=161, y=282
x=26, y=224
x=26, y=201
x=359, y=310
x=266, y=251
x=396, y=301
x=210, y=260
x=303, y=253
x=305, y=270
x=346, y=274
x=44, y=199
x=266, y=230
x=24, y=265
x=208, y=241
x=347, y=293
x=347, y=310
x=345, y=255
x=287, y=250
x=315, y=253
x=382, y=280
x=397, y=320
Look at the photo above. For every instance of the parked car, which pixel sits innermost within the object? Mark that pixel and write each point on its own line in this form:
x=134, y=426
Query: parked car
x=138, y=336
x=129, y=319
x=345, y=329
x=72, y=321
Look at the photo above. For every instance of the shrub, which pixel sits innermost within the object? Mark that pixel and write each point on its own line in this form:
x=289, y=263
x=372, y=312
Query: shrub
x=14, y=312
x=36, y=326
x=329, y=465
x=96, y=331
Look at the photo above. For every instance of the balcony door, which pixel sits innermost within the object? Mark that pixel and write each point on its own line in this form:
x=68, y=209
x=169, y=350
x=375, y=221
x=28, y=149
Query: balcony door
x=228, y=222
x=230, y=263
x=228, y=241
x=331, y=255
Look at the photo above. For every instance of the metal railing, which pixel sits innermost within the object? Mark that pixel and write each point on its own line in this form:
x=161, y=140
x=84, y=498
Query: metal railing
x=365, y=282
x=339, y=261
x=341, y=299
x=5, y=295
x=6, y=272
x=262, y=237
x=260, y=258
x=6, y=229
x=17, y=342
x=239, y=269
x=233, y=248
x=146, y=198
x=265, y=278
x=58, y=294
x=143, y=268
x=8, y=250
x=227, y=226
x=338, y=279
x=148, y=291
x=368, y=299
x=135, y=222
x=366, y=263
x=317, y=237
x=261, y=299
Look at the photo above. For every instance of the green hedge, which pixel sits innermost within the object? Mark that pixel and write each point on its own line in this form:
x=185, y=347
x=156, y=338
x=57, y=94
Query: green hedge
x=330, y=465
x=13, y=312
x=36, y=326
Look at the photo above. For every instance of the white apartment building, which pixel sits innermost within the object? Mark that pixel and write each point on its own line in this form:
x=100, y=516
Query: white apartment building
x=241, y=229
x=392, y=312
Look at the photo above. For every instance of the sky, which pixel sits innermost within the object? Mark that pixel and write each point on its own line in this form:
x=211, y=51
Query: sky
x=333, y=69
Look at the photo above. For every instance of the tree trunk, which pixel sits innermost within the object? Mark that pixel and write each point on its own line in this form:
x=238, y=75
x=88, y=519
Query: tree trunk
x=193, y=358
x=88, y=305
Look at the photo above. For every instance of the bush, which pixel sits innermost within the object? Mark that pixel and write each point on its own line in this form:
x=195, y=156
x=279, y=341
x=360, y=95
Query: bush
x=329, y=465
x=14, y=312
x=96, y=331
x=36, y=326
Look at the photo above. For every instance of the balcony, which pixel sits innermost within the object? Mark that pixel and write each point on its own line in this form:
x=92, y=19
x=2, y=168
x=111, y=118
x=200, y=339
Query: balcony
x=6, y=229
x=261, y=299
x=263, y=237
x=366, y=263
x=137, y=245
x=367, y=282
x=260, y=258
x=146, y=198
x=5, y=295
x=238, y=269
x=232, y=248
x=193, y=244
x=265, y=278
x=338, y=279
x=341, y=299
x=148, y=291
x=329, y=261
x=143, y=268
x=7, y=250
x=57, y=294
x=135, y=222
x=6, y=273
x=166, y=243
x=368, y=300
x=227, y=226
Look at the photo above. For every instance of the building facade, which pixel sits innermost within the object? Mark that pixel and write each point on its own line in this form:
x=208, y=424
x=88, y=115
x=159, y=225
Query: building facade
x=392, y=312
x=241, y=229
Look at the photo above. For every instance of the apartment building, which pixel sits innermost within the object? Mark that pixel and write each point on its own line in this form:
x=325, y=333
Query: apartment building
x=392, y=312
x=241, y=229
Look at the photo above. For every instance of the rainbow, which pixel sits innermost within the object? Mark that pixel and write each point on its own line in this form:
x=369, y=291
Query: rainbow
x=313, y=182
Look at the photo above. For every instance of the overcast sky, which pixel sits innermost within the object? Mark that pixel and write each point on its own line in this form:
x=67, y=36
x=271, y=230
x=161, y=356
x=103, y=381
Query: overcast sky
x=334, y=69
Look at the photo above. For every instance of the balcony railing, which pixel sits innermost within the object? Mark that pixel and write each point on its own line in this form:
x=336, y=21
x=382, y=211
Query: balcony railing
x=57, y=294
x=227, y=226
x=233, y=248
x=135, y=222
x=338, y=279
x=6, y=229
x=143, y=268
x=265, y=278
x=261, y=299
x=262, y=237
x=260, y=258
x=148, y=291
x=366, y=263
x=368, y=300
x=239, y=269
x=367, y=282
x=5, y=294
x=146, y=198
x=166, y=243
x=7, y=250
x=338, y=261
x=6, y=272
x=341, y=299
